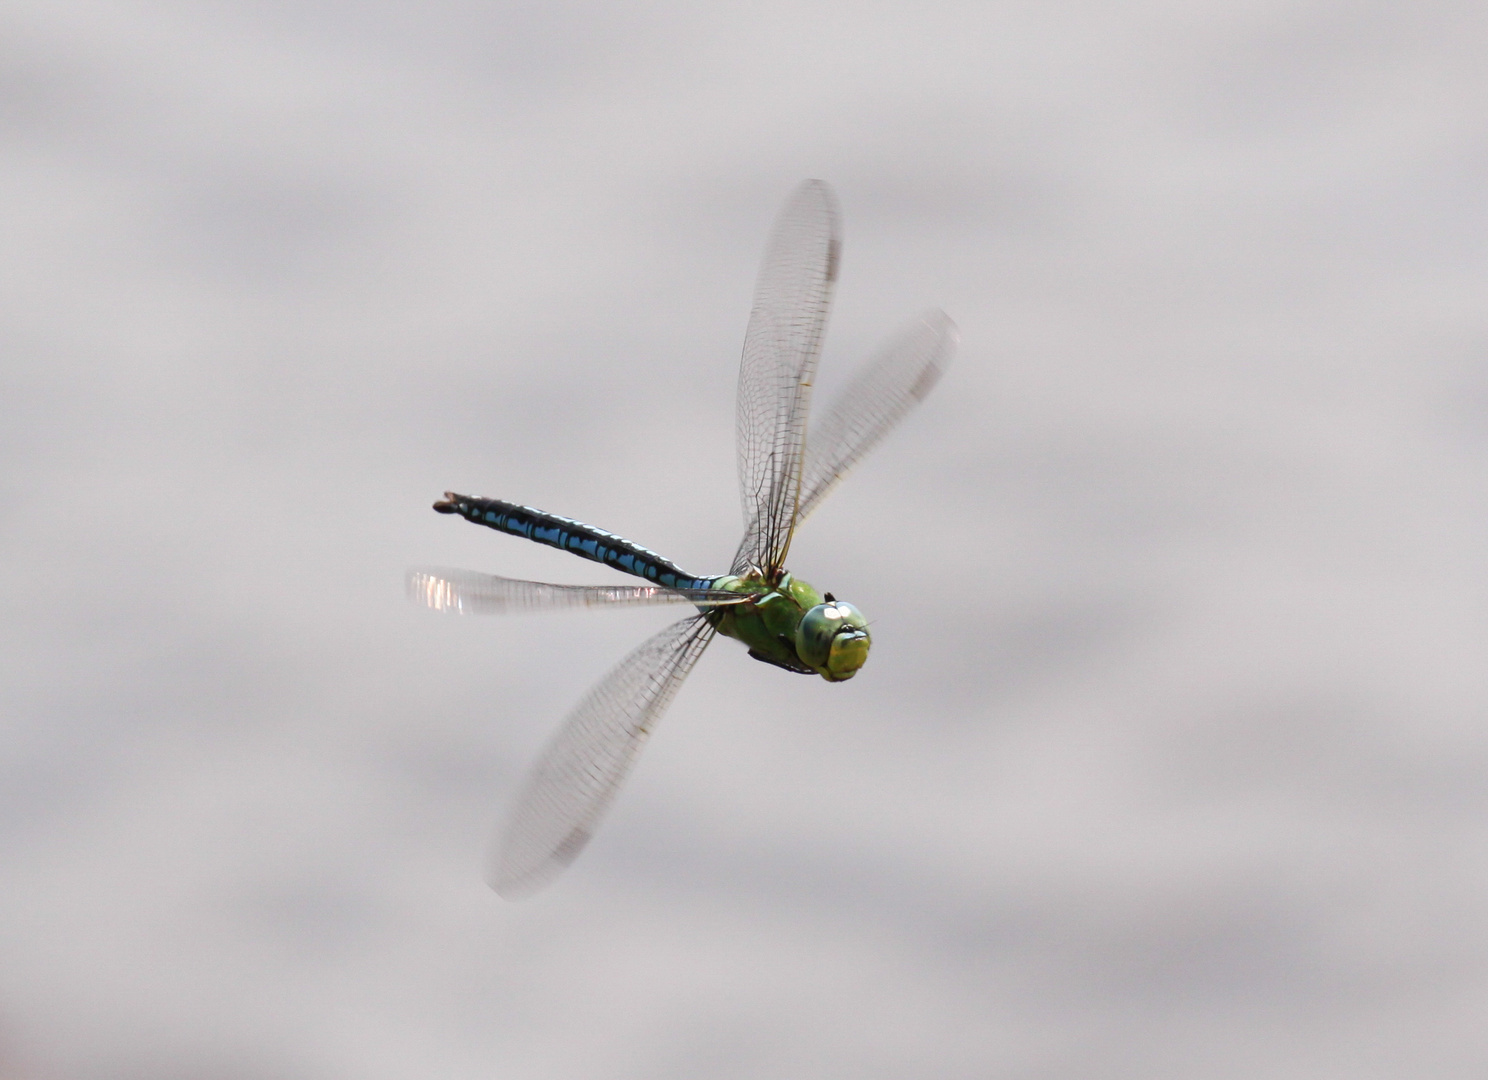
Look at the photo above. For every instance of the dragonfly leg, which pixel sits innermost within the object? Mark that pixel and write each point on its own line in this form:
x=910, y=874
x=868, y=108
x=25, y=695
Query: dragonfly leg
x=799, y=669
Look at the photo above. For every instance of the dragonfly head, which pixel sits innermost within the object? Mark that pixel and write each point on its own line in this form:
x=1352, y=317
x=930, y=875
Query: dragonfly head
x=833, y=640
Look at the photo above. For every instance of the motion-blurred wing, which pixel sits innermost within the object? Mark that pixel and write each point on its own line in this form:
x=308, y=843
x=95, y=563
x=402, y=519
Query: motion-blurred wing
x=889, y=386
x=579, y=772
x=781, y=347
x=468, y=593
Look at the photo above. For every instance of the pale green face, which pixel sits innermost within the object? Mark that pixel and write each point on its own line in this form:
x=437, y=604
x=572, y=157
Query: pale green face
x=833, y=639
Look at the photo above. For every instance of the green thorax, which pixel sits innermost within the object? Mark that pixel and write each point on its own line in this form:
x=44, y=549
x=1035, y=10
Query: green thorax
x=793, y=626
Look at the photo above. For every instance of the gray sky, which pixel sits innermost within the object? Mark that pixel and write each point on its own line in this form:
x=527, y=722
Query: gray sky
x=1171, y=760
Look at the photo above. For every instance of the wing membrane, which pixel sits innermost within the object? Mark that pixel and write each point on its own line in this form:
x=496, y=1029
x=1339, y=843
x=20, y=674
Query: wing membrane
x=466, y=592
x=791, y=299
x=578, y=774
x=889, y=386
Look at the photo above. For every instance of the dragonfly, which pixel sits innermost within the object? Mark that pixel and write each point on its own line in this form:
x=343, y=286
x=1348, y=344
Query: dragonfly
x=784, y=473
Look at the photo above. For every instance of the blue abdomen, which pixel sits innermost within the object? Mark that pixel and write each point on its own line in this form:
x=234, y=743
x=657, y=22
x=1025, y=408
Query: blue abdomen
x=585, y=541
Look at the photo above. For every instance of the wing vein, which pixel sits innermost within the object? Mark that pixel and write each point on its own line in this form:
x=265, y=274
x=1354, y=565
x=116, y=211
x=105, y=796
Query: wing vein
x=576, y=777
x=792, y=297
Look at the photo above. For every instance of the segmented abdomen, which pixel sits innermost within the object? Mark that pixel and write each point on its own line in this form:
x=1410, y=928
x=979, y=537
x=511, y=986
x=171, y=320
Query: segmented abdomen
x=585, y=541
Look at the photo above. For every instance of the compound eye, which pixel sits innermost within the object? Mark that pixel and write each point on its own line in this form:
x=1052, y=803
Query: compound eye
x=814, y=635
x=833, y=639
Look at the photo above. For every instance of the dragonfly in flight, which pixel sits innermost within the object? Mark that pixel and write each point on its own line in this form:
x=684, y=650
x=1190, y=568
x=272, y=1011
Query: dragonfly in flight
x=784, y=473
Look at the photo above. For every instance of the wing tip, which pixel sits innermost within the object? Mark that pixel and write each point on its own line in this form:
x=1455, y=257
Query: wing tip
x=942, y=324
x=821, y=193
x=513, y=878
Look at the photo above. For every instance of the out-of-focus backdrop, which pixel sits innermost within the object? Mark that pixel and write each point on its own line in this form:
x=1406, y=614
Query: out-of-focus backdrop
x=1171, y=760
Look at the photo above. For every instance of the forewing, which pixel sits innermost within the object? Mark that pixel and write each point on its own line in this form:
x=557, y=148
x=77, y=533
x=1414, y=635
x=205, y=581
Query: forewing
x=467, y=593
x=781, y=347
x=889, y=386
x=579, y=772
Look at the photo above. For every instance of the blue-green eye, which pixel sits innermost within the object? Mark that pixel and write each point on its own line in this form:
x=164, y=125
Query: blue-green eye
x=833, y=639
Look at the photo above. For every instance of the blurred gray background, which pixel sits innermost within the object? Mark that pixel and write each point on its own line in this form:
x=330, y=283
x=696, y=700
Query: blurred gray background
x=1172, y=757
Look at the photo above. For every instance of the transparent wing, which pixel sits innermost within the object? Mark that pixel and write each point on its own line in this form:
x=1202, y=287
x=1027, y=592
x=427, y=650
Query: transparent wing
x=889, y=386
x=467, y=593
x=781, y=347
x=579, y=772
